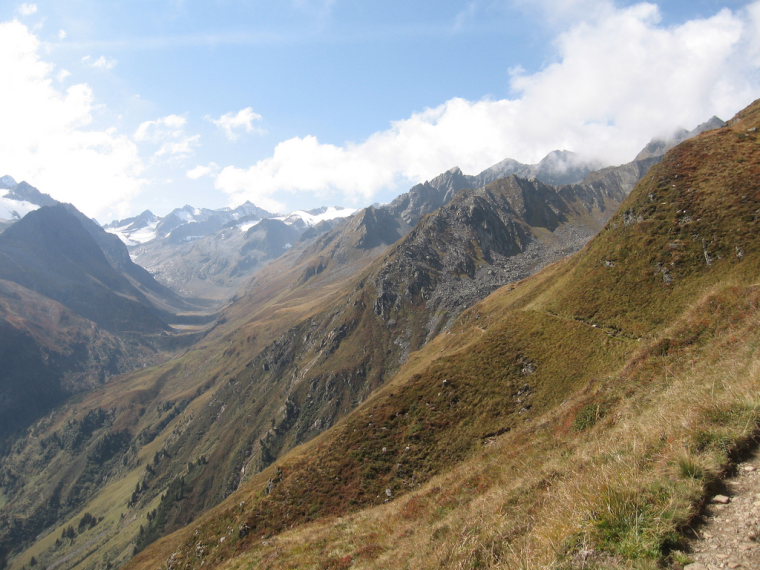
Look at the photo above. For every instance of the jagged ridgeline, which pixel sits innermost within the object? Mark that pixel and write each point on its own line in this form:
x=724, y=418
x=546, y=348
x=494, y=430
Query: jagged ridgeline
x=577, y=418
x=340, y=322
x=312, y=337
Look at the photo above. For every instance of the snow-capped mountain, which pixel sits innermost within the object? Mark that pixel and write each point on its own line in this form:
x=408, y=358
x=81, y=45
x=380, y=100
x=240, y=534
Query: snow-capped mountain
x=209, y=253
x=17, y=199
x=135, y=230
x=310, y=218
x=186, y=224
x=183, y=224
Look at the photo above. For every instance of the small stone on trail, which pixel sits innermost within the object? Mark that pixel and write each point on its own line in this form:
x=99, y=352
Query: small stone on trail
x=720, y=500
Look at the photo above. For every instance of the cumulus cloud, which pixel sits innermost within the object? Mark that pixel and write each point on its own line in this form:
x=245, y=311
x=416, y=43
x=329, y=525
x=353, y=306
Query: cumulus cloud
x=617, y=80
x=160, y=129
x=102, y=62
x=233, y=123
x=202, y=171
x=48, y=138
x=168, y=135
x=27, y=9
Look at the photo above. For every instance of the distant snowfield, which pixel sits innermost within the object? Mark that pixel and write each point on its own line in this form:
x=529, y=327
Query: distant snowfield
x=307, y=218
x=329, y=213
x=14, y=209
x=136, y=237
x=133, y=236
x=247, y=226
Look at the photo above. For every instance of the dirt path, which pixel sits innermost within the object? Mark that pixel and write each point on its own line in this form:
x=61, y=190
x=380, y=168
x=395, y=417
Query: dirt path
x=730, y=537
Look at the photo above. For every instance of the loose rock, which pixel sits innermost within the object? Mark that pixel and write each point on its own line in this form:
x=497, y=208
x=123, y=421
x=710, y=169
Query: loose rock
x=730, y=534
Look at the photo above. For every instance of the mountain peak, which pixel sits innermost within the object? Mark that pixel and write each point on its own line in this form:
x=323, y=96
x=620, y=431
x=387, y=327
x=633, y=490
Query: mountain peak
x=8, y=182
x=660, y=145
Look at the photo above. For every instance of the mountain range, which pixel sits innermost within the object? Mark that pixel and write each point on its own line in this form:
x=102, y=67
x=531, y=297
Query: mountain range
x=576, y=419
x=403, y=362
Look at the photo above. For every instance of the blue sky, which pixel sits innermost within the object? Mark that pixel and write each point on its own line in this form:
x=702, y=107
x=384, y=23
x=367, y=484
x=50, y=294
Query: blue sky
x=124, y=105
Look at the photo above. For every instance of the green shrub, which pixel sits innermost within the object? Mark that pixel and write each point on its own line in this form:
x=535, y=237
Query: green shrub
x=588, y=417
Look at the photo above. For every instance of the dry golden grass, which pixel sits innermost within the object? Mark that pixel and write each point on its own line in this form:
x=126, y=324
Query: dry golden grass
x=534, y=497
x=644, y=391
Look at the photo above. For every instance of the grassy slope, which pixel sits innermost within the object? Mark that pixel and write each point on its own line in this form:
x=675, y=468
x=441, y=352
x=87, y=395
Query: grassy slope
x=140, y=401
x=575, y=419
x=208, y=409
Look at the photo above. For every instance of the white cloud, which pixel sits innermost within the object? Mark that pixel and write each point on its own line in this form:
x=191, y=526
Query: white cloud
x=618, y=80
x=184, y=146
x=156, y=131
x=62, y=35
x=231, y=123
x=27, y=9
x=102, y=62
x=48, y=138
x=168, y=134
x=201, y=171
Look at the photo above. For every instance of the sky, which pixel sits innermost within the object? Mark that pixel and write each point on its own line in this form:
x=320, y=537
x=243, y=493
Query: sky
x=124, y=105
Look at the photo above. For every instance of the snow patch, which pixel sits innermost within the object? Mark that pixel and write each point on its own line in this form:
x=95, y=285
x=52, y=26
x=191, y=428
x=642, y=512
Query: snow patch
x=14, y=209
x=136, y=237
x=311, y=219
x=244, y=227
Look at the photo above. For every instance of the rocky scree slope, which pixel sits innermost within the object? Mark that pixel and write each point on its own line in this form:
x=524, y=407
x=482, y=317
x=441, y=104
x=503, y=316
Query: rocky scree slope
x=562, y=369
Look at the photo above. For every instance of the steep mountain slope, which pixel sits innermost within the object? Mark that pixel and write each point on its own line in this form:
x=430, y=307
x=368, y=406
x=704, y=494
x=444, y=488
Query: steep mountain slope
x=319, y=330
x=74, y=311
x=308, y=343
x=49, y=352
x=591, y=406
x=558, y=167
x=50, y=252
x=204, y=253
x=160, y=296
